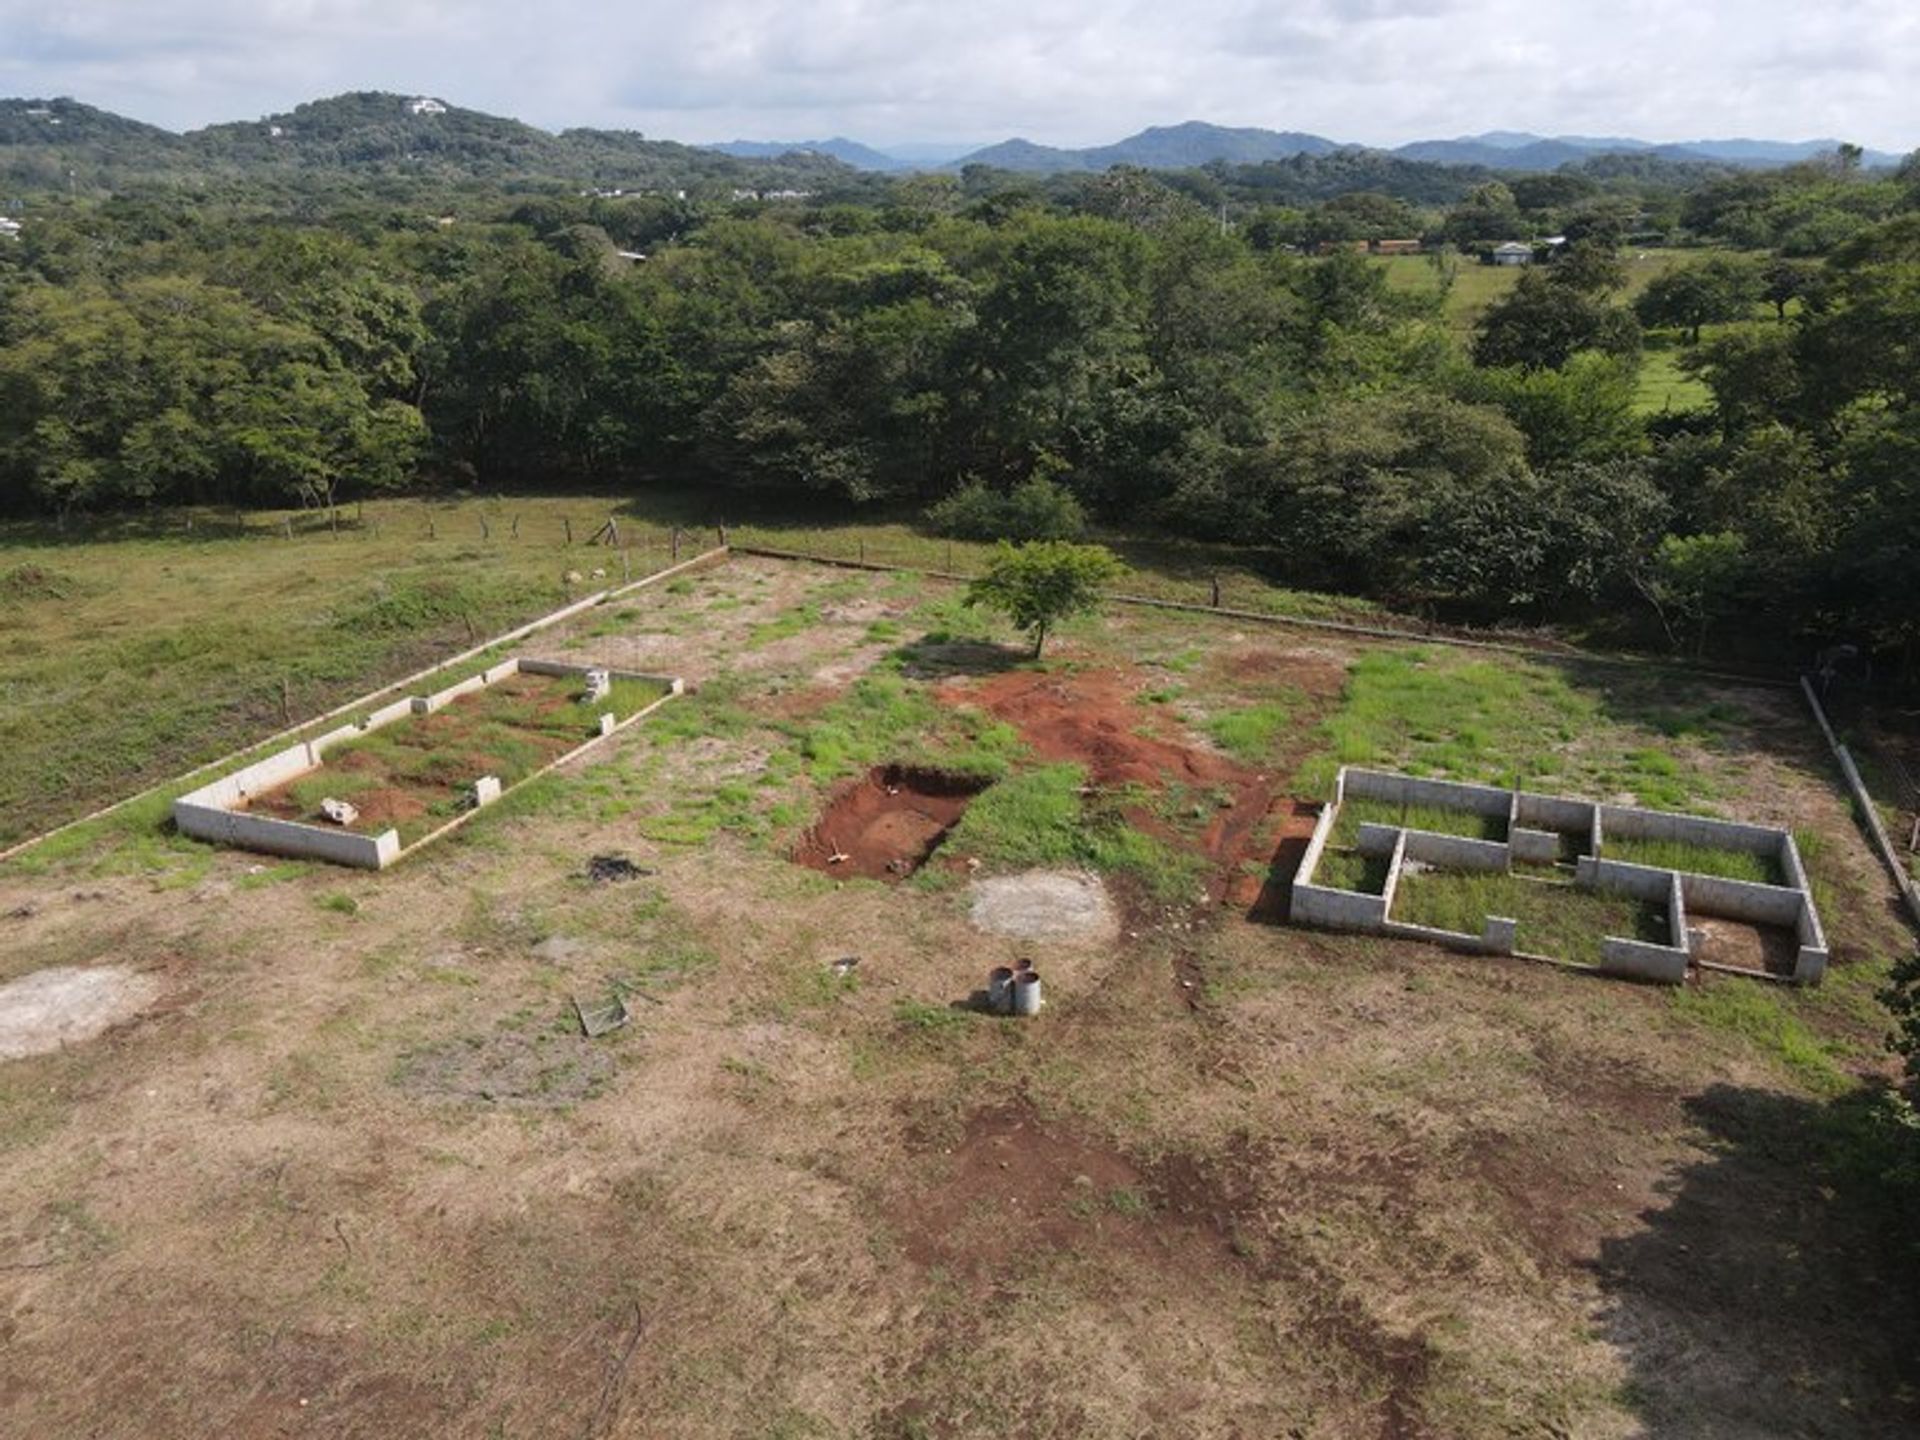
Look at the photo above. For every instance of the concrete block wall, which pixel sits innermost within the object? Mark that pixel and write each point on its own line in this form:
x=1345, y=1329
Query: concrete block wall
x=1646, y=960
x=1337, y=909
x=1317, y=845
x=272, y=836
x=1743, y=899
x=1553, y=812
x=1623, y=823
x=1639, y=960
x=1455, y=852
x=1413, y=790
x=1375, y=839
x=1533, y=847
x=1618, y=877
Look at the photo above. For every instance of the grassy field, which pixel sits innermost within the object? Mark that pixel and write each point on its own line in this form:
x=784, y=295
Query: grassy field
x=1661, y=385
x=1477, y=286
x=180, y=644
x=354, y=1169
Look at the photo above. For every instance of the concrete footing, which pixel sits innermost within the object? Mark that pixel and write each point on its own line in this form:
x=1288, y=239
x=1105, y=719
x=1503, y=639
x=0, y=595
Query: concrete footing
x=1540, y=829
x=217, y=811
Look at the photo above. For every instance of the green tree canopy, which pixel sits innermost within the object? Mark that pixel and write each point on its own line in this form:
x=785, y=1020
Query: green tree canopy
x=1039, y=584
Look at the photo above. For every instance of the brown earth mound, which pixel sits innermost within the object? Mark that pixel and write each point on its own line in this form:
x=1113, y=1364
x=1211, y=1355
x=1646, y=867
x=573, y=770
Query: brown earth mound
x=886, y=824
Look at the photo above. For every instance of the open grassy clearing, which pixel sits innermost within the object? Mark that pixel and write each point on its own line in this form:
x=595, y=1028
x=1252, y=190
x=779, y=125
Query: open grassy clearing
x=1239, y=1179
x=1476, y=286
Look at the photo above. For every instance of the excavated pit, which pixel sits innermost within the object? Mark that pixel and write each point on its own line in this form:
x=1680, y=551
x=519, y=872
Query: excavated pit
x=887, y=824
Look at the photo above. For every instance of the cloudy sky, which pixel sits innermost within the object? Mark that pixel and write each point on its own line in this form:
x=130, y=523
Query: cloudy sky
x=1066, y=72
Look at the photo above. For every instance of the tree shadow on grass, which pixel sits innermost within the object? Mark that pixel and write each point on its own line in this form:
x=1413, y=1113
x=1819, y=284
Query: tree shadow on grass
x=937, y=656
x=1775, y=1293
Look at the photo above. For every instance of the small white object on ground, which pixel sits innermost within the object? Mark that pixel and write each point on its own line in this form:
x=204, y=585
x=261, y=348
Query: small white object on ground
x=339, y=811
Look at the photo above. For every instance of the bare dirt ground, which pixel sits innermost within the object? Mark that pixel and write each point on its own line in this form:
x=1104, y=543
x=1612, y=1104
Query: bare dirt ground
x=356, y=1173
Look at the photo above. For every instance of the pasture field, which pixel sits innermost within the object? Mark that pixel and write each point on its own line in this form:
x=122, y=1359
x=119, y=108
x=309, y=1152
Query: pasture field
x=1476, y=286
x=356, y=1171
x=1662, y=386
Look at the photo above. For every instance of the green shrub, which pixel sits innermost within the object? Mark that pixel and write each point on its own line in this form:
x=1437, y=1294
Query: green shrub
x=1036, y=510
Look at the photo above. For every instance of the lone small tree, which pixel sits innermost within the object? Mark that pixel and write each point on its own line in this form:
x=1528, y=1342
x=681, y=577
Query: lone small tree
x=1038, y=584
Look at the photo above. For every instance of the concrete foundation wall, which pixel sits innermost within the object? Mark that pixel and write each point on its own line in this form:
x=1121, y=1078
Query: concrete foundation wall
x=1553, y=812
x=287, y=837
x=1533, y=847
x=1452, y=939
x=1442, y=794
x=1626, y=824
x=1338, y=909
x=255, y=779
x=1535, y=826
x=1316, y=847
x=1377, y=839
x=672, y=683
x=1455, y=852
x=1617, y=877
x=1743, y=900
x=1638, y=960
x=215, y=812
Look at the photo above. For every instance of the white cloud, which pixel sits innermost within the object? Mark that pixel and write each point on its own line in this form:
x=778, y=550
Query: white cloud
x=1058, y=71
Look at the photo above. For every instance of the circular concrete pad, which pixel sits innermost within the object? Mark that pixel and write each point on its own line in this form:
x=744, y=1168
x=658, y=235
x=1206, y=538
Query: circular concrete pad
x=1045, y=905
x=51, y=1008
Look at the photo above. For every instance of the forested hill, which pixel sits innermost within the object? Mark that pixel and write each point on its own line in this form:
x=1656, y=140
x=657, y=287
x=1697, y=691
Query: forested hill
x=63, y=144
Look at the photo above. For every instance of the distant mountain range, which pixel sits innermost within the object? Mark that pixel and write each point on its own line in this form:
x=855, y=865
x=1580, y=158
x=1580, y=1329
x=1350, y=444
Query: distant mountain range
x=47, y=144
x=1180, y=147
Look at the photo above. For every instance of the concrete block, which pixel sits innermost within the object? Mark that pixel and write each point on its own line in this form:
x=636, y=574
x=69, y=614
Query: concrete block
x=1742, y=899
x=1375, y=839
x=1413, y=790
x=1624, y=823
x=1456, y=852
x=1500, y=934
x=1338, y=909
x=1617, y=877
x=486, y=790
x=1533, y=847
x=1638, y=960
x=1316, y=847
x=607, y=722
x=1553, y=812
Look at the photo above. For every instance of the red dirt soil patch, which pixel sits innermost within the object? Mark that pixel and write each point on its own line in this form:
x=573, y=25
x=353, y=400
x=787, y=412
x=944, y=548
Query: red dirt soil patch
x=1284, y=836
x=886, y=824
x=1093, y=718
